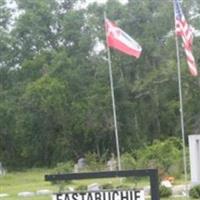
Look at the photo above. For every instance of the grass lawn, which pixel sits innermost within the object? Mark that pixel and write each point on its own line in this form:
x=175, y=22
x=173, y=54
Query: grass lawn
x=33, y=180
x=14, y=182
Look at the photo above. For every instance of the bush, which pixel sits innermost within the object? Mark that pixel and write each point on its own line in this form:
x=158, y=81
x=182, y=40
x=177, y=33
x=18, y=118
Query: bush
x=81, y=187
x=122, y=186
x=107, y=186
x=165, y=155
x=93, y=163
x=165, y=191
x=127, y=161
x=195, y=192
x=62, y=168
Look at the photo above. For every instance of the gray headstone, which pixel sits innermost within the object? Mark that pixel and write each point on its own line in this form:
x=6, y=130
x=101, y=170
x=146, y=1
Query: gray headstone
x=81, y=163
x=94, y=187
x=112, y=164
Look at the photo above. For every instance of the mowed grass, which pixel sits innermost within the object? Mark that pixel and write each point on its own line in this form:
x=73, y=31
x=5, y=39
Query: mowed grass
x=33, y=180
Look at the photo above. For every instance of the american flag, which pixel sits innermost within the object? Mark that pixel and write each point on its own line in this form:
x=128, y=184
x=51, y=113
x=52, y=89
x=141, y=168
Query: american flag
x=184, y=30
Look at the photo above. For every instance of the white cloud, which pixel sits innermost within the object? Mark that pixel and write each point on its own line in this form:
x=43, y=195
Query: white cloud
x=104, y=1
x=98, y=1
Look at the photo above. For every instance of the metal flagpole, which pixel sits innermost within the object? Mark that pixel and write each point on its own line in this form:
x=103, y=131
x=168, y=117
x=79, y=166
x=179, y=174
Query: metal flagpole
x=181, y=111
x=181, y=104
x=113, y=102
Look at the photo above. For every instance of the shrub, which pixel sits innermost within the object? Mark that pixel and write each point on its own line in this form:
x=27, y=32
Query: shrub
x=107, y=186
x=93, y=163
x=81, y=187
x=195, y=192
x=122, y=186
x=165, y=155
x=127, y=161
x=165, y=191
x=62, y=168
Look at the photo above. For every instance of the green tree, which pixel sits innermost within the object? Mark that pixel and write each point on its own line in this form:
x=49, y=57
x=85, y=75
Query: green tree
x=55, y=100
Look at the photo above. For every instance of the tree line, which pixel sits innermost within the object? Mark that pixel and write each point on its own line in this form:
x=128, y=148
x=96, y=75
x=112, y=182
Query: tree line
x=55, y=100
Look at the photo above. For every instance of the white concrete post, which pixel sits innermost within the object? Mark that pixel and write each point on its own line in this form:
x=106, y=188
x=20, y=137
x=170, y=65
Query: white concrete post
x=194, y=148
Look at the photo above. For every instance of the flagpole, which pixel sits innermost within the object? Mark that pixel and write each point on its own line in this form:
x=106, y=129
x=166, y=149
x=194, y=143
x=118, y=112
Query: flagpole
x=181, y=111
x=181, y=106
x=113, y=103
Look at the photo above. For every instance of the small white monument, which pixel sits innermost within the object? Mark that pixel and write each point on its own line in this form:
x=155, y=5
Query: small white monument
x=194, y=147
x=80, y=165
x=2, y=170
x=112, y=164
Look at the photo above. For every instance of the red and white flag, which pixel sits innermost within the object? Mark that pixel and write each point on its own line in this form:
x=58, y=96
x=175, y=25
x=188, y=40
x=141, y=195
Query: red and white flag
x=184, y=30
x=118, y=39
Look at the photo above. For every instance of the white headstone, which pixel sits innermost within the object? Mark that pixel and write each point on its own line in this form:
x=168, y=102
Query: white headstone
x=44, y=192
x=71, y=189
x=76, y=168
x=166, y=183
x=3, y=195
x=194, y=147
x=26, y=194
x=112, y=164
x=94, y=187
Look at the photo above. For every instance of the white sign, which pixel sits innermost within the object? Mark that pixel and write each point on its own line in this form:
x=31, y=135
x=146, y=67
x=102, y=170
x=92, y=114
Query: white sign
x=101, y=195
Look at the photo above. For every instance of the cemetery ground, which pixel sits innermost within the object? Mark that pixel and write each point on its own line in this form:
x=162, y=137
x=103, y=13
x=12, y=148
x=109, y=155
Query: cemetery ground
x=32, y=181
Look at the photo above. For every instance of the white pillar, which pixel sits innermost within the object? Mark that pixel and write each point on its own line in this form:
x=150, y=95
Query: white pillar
x=194, y=147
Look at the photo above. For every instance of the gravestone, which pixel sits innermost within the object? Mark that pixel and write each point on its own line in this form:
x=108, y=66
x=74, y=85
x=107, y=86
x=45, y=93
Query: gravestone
x=2, y=195
x=80, y=165
x=44, y=192
x=81, y=162
x=2, y=170
x=112, y=164
x=94, y=187
x=26, y=194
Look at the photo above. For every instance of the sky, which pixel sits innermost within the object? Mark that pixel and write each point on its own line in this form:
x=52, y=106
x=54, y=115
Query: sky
x=12, y=4
x=101, y=2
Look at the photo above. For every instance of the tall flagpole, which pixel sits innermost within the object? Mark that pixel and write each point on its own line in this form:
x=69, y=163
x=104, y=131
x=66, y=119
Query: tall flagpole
x=181, y=104
x=113, y=102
